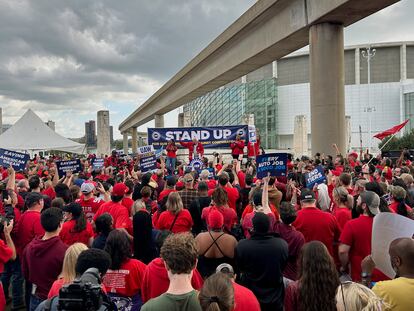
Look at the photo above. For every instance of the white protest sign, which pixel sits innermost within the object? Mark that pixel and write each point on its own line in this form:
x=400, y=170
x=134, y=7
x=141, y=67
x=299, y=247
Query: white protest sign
x=388, y=227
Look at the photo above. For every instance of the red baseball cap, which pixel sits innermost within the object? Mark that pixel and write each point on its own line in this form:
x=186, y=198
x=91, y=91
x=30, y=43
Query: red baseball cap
x=119, y=189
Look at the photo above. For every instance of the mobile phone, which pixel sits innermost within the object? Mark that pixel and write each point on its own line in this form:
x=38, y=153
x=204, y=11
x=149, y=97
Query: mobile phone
x=5, y=194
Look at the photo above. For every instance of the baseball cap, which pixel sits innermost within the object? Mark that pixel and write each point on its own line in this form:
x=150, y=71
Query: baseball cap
x=119, y=189
x=171, y=181
x=32, y=197
x=87, y=187
x=306, y=194
x=372, y=200
x=74, y=208
x=225, y=268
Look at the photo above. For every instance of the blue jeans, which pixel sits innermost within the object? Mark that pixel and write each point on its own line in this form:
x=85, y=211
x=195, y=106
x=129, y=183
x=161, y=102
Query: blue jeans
x=13, y=274
x=34, y=302
x=170, y=163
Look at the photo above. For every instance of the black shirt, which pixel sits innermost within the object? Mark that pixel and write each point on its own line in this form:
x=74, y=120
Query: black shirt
x=195, y=209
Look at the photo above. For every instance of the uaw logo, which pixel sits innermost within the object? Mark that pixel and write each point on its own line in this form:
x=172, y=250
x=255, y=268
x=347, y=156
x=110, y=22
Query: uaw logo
x=241, y=132
x=156, y=136
x=197, y=165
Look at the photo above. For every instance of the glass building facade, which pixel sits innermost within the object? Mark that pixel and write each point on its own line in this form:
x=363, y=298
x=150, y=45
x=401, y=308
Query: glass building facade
x=227, y=106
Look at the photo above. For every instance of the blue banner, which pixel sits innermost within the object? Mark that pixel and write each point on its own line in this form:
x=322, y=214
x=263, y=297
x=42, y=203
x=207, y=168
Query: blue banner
x=212, y=173
x=210, y=137
x=273, y=163
x=17, y=160
x=316, y=176
x=98, y=163
x=73, y=166
x=147, y=158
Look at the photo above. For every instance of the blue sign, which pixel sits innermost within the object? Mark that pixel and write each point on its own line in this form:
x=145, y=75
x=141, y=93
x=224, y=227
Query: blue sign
x=273, y=163
x=212, y=172
x=17, y=160
x=196, y=165
x=147, y=158
x=73, y=166
x=316, y=176
x=252, y=134
x=98, y=163
x=210, y=137
x=158, y=152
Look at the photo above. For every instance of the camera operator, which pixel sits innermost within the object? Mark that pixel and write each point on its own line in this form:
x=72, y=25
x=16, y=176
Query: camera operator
x=7, y=252
x=85, y=286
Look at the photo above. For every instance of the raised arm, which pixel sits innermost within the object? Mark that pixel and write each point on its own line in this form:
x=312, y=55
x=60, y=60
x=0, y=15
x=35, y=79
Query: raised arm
x=11, y=183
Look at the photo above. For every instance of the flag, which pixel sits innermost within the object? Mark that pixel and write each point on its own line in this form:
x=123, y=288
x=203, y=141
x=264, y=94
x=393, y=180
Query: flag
x=391, y=131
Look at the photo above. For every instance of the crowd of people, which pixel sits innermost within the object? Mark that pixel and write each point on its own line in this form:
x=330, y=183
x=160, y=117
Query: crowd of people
x=215, y=239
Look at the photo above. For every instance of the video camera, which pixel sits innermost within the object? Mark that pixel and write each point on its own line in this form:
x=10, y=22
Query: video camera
x=84, y=293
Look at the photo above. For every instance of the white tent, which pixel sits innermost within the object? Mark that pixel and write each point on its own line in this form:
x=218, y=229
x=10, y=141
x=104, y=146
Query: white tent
x=30, y=133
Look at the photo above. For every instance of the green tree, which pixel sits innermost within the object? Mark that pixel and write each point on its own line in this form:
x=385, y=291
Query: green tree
x=399, y=143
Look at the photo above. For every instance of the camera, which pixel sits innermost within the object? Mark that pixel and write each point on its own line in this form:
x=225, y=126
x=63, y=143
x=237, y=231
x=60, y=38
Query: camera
x=8, y=209
x=84, y=294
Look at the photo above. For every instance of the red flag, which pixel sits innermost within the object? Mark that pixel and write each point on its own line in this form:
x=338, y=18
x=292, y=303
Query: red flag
x=391, y=131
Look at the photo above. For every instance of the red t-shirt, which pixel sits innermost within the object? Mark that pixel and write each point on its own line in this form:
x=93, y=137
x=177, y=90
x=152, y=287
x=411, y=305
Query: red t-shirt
x=183, y=223
x=155, y=281
x=249, y=209
x=69, y=236
x=212, y=184
x=50, y=192
x=342, y=215
x=242, y=179
x=229, y=215
x=357, y=234
x=119, y=213
x=28, y=228
x=232, y=194
x=5, y=254
x=318, y=225
x=127, y=202
x=126, y=281
x=90, y=206
x=244, y=299
x=393, y=207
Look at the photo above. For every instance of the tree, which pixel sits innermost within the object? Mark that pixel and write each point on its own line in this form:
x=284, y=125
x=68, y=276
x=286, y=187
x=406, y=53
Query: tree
x=399, y=143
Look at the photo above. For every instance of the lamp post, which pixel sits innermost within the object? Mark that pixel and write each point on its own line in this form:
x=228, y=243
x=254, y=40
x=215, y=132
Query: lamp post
x=369, y=53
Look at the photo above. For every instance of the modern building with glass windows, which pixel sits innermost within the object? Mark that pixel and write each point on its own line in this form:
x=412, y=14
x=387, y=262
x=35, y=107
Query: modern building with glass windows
x=279, y=91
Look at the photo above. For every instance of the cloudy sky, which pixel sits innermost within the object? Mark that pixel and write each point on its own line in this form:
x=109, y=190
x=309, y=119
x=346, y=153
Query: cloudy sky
x=68, y=59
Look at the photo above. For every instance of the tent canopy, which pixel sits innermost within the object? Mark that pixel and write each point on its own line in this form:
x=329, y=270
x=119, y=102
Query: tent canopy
x=30, y=133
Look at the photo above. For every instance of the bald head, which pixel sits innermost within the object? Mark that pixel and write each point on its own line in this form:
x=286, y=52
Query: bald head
x=402, y=253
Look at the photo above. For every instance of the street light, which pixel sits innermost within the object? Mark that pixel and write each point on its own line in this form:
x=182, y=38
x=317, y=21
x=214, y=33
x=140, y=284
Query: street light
x=369, y=53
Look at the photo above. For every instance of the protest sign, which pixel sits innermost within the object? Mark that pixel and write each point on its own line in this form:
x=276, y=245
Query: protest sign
x=98, y=163
x=316, y=176
x=252, y=134
x=147, y=158
x=17, y=160
x=73, y=166
x=212, y=172
x=196, y=165
x=273, y=163
x=386, y=228
x=210, y=137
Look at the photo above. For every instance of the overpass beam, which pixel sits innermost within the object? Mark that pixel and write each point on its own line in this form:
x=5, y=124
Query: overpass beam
x=159, y=120
x=327, y=94
x=134, y=140
x=125, y=142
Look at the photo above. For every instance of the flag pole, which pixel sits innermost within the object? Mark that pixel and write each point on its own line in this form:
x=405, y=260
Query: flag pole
x=384, y=145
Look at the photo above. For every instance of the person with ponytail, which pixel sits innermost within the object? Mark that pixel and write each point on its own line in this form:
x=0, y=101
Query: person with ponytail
x=398, y=204
x=76, y=228
x=352, y=296
x=344, y=202
x=217, y=293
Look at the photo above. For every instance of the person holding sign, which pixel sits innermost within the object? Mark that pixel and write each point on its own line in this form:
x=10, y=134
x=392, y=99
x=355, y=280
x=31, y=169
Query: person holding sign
x=237, y=147
x=195, y=149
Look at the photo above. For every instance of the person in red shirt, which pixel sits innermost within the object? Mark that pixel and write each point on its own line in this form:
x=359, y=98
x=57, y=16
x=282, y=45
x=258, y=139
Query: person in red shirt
x=175, y=219
x=398, y=205
x=237, y=147
x=355, y=240
x=314, y=223
x=76, y=228
x=169, y=187
x=119, y=213
x=344, y=203
x=171, y=156
x=127, y=200
x=7, y=252
x=124, y=277
x=219, y=202
x=90, y=204
x=195, y=149
x=232, y=192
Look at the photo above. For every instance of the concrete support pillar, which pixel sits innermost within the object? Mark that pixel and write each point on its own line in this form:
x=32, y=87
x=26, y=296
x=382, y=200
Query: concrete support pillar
x=300, y=136
x=1, y=121
x=159, y=120
x=326, y=44
x=274, y=69
x=181, y=119
x=125, y=142
x=134, y=140
x=403, y=61
x=103, y=139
